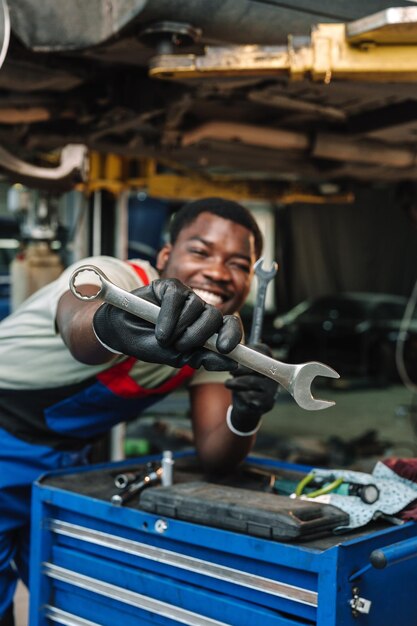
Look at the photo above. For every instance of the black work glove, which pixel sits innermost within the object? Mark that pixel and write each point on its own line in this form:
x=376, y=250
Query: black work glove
x=253, y=395
x=184, y=324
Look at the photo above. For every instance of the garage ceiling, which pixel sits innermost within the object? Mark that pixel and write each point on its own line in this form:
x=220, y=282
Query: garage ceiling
x=81, y=72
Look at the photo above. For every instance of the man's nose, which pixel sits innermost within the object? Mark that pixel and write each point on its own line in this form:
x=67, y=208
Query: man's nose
x=217, y=270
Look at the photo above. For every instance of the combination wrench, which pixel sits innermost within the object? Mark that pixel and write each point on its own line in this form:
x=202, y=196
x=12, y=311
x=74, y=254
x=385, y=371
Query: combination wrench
x=264, y=277
x=296, y=379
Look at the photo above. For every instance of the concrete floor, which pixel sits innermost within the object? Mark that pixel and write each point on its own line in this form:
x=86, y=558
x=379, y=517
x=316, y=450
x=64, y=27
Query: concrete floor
x=359, y=408
x=390, y=411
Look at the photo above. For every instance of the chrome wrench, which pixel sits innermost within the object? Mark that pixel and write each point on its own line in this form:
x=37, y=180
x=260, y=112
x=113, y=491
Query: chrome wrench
x=296, y=379
x=264, y=277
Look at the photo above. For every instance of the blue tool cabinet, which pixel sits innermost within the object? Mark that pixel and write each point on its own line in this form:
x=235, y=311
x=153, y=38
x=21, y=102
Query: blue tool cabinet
x=95, y=563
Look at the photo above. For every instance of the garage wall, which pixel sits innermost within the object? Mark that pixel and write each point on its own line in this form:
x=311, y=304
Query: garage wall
x=367, y=246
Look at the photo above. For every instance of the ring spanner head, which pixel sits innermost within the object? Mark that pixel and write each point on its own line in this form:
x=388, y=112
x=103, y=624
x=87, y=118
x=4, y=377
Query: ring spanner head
x=97, y=278
x=300, y=386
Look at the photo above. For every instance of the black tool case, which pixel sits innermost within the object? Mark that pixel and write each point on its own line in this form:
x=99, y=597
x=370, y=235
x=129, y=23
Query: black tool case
x=260, y=514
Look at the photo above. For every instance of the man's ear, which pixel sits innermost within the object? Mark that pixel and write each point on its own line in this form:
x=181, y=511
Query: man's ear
x=163, y=256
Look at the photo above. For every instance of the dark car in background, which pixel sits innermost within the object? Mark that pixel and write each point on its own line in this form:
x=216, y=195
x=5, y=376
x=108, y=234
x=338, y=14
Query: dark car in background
x=355, y=333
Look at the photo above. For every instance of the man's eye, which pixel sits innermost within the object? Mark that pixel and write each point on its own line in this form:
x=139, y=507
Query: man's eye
x=198, y=252
x=242, y=267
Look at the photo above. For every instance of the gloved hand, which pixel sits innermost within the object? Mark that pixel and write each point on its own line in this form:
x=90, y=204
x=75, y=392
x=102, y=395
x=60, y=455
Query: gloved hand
x=253, y=395
x=184, y=324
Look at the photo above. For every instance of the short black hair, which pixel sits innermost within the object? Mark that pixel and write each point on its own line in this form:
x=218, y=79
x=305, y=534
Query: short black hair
x=227, y=209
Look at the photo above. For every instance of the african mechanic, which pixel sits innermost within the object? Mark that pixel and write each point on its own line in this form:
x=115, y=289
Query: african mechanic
x=71, y=370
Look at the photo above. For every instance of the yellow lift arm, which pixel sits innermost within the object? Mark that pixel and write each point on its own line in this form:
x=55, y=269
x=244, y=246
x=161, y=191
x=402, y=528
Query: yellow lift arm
x=380, y=47
x=116, y=174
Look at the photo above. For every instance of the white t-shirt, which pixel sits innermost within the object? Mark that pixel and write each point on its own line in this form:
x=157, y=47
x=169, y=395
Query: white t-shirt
x=32, y=353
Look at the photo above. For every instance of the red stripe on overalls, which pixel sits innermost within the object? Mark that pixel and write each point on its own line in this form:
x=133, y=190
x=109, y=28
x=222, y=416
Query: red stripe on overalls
x=140, y=272
x=117, y=378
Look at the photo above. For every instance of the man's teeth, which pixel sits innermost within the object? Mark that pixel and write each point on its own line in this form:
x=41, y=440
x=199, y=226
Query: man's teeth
x=208, y=297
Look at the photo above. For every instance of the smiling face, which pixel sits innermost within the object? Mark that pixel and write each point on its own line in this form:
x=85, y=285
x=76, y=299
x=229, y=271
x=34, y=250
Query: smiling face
x=214, y=257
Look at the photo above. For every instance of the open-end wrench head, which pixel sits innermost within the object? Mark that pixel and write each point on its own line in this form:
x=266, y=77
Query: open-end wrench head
x=263, y=273
x=301, y=385
x=258, y=263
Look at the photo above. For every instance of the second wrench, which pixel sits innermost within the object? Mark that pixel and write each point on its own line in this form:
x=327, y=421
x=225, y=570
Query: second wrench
x=264, y=277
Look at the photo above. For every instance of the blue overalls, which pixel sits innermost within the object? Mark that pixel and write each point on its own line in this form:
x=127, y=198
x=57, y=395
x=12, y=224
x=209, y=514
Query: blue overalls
x=112, y=397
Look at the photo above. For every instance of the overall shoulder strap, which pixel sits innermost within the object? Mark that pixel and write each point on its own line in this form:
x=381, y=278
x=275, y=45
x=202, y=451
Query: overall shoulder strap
x=140, y=272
